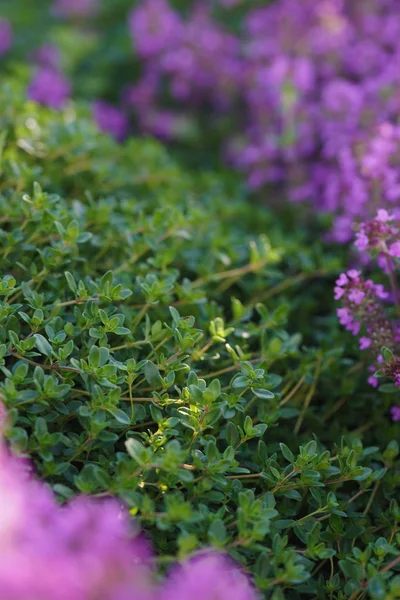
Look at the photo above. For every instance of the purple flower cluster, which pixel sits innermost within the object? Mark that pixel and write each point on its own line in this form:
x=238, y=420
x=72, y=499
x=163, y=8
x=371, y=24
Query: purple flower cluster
x=86, y=550
x=111, y=120
x=380, y=236
x=79, y=551
x=313, y=87
x=208, y=576
x=49, y=87
x=155, y=27
x=364, y=304
x=199, y=60
x=361, y=305
x=312, y=90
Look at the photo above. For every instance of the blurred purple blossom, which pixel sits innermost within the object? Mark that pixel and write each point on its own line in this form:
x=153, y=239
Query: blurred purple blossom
x=88, y=549
x=48, y=55
x=395, y=411
x=312, y=88
x=6, y=36
x=311, y=91
x=209, y=576
x=111, y=120
x=81, y=551
x=155, y=27
x=50, y=88
x=200, y=60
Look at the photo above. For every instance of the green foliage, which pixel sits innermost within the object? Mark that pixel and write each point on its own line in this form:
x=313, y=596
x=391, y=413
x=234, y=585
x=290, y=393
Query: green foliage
x=160, y=341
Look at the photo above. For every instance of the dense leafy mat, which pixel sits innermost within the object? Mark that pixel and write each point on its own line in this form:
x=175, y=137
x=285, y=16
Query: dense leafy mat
x=168, y=343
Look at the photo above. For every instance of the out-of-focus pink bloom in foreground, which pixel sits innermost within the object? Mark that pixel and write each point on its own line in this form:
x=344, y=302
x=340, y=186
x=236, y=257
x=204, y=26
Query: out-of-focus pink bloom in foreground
x=208, y=576
x=80, y=551
x=87, y=550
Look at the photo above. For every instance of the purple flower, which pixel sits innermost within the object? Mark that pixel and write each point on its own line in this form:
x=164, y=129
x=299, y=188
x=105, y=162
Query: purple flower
x=48, y=55
x=87, y=549
x=395, y=412
x=378, y=233
x=6, y=36
x=141, y=95
x=353, y=274
x=361, y=241
x=342, y=280
x=373, y=381
x=111, y=120
x=380, y=291
x=317, y=86
x=340, y=96
x=365, y=342
x=362, y=308
x=154, y=28
x=49, y=88
x=339, y=292
x=344, y=315
x=354, y=327
x=208, y=577
x=383, y=216
x=81, y=551
x=394, y=249
x=356, y=296
x=362, y=304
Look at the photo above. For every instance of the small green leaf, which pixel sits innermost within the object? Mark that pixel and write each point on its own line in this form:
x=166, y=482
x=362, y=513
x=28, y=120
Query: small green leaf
x=232, y=434
x=387, y=354
x=120, y=416
x=152, y=375
x=94, y=357
x=215, y=388
x=71, y=282
x=43, y=345
x=136, y=450
x=376, y=588
x=240, y=382
x=389, y=388
x=217, y=531
x=287, y=453
x=263, y=394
